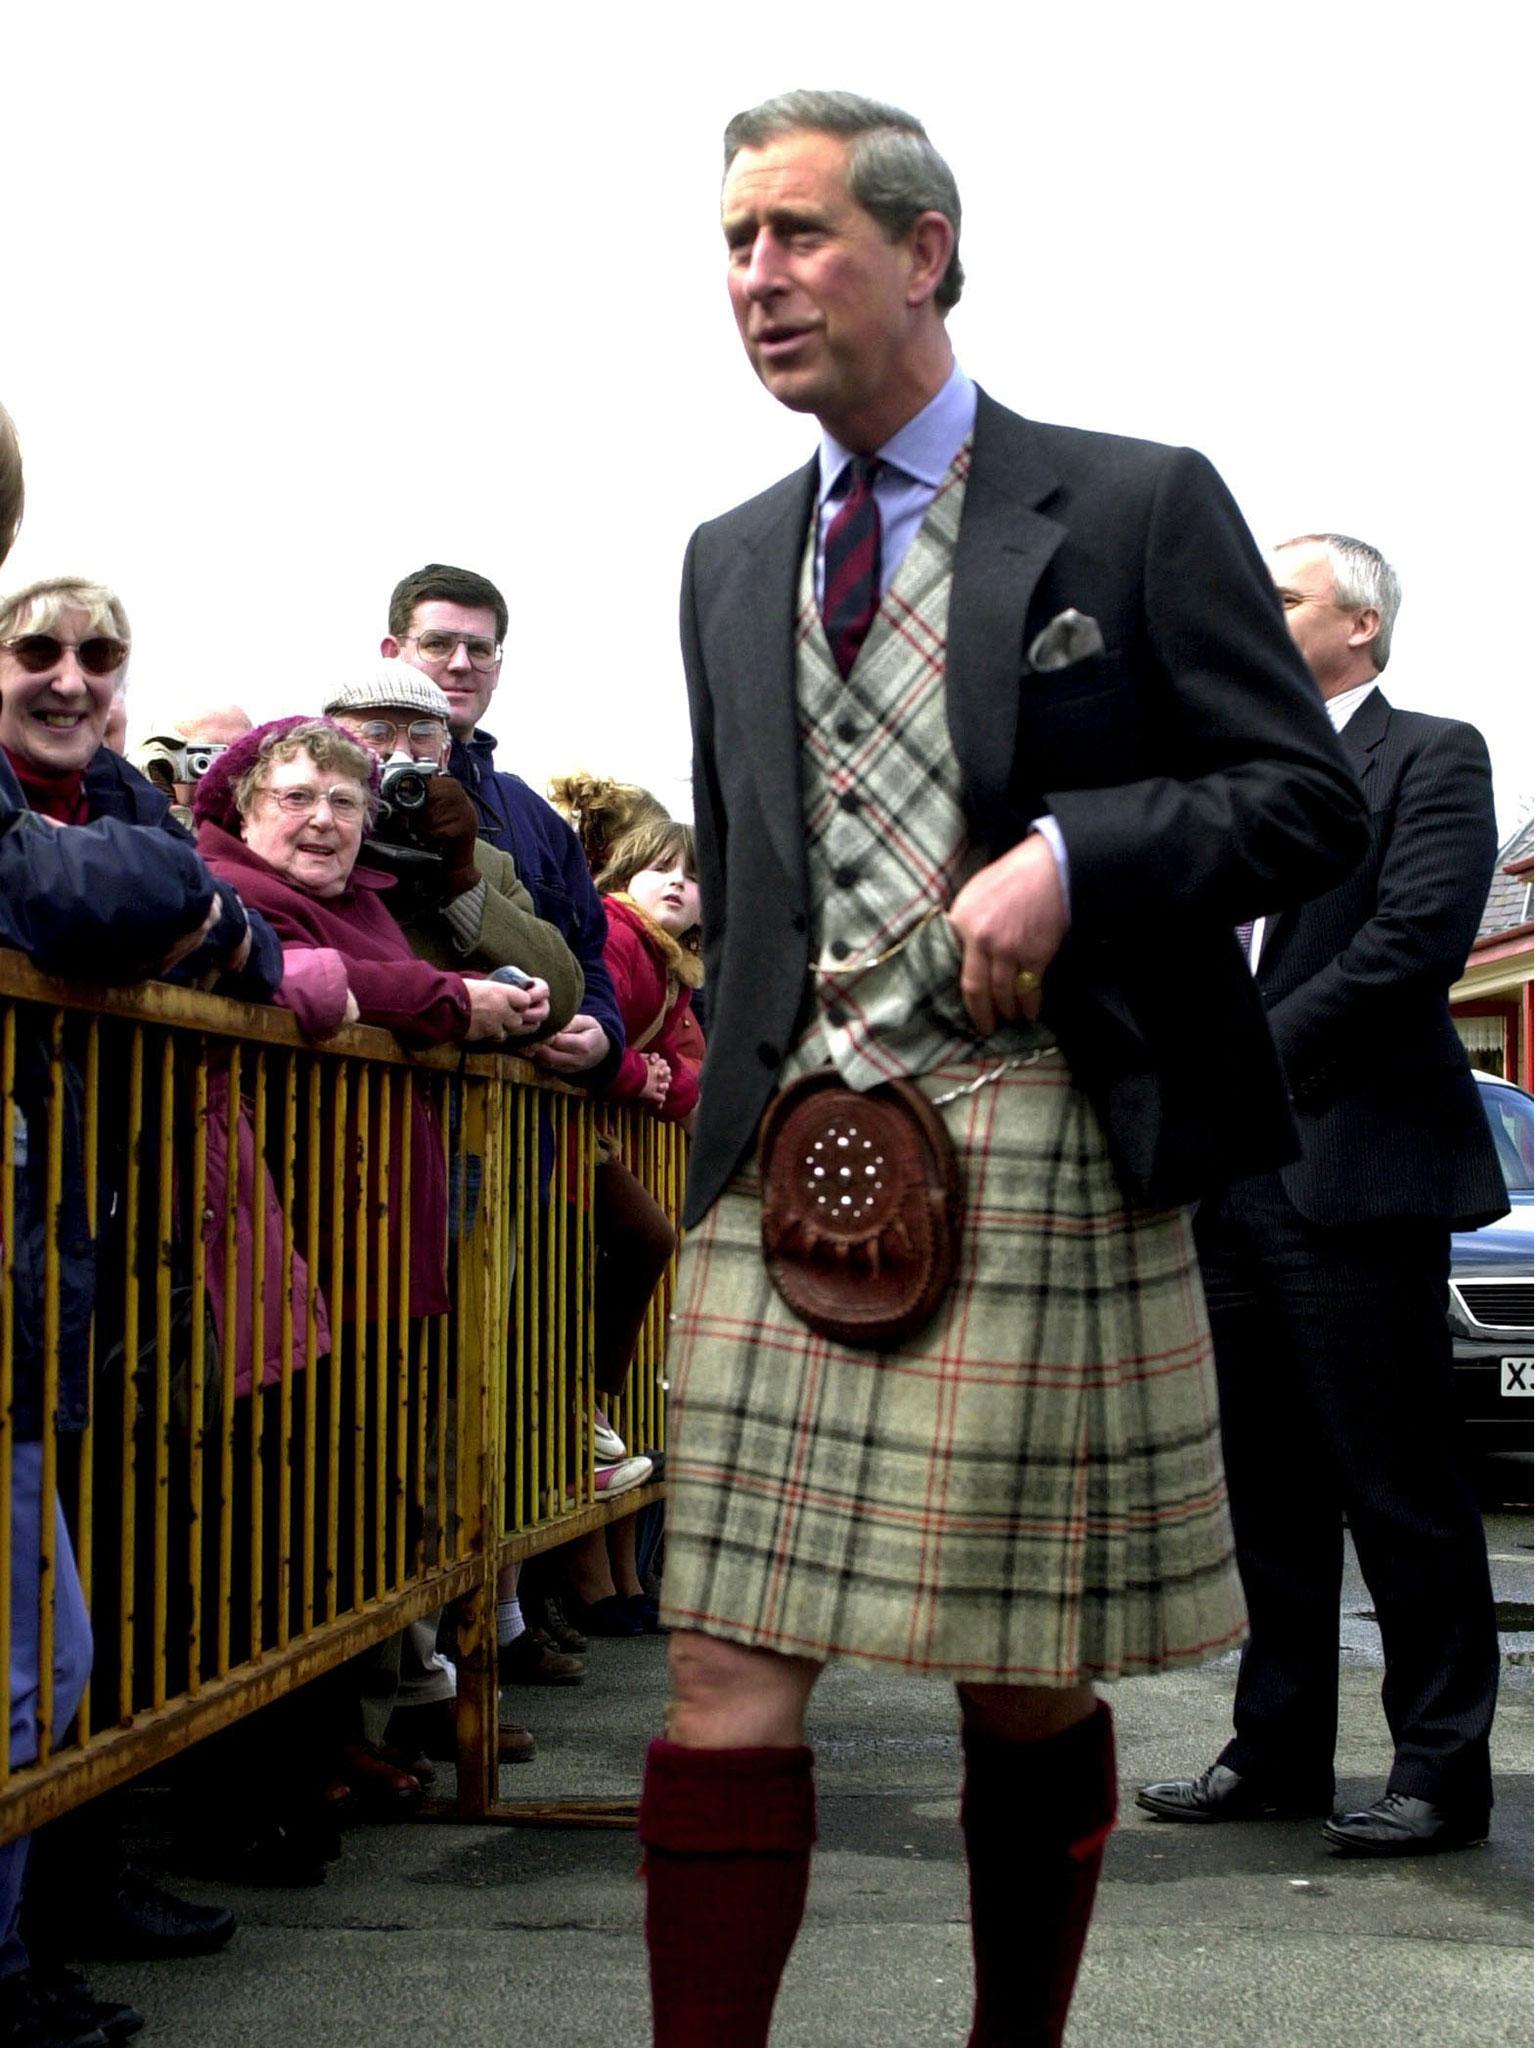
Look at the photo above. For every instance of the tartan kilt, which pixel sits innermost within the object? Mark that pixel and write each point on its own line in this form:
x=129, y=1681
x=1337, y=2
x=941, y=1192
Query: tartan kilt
x=1029, y=1492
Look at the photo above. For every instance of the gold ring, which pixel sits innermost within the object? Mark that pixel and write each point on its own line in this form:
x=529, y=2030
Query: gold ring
x=1026, y=981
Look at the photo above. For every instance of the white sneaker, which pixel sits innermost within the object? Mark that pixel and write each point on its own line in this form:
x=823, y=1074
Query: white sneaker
x=620, y=1478
x=609, y=1446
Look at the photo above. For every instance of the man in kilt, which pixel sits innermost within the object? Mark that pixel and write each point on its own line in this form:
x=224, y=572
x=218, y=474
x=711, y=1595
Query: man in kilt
x=998, y=733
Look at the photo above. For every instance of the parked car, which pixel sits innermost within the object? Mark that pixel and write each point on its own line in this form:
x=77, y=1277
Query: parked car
x=1490, y=1302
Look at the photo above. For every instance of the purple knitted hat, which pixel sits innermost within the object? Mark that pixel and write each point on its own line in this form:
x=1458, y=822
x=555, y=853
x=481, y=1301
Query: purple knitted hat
x=214, y=797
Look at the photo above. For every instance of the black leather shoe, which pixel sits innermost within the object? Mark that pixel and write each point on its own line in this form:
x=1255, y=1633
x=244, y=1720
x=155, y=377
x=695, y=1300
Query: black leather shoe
x=138, y=1919
x=76, y=2012
x=29, y=2020
x=1223, y=1794
x=1399, y=1825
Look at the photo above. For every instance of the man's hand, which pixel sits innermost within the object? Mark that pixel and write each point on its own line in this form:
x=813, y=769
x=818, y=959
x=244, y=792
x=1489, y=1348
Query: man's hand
x=495, y=1012
x=658, y=1079
x=446, y=825
x=582, y=1044
x=1010, y=919
x=535, y=1006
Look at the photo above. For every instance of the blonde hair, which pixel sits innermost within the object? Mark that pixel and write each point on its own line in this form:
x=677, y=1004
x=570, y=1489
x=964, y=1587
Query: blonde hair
x=38, y=608
x=601, y=812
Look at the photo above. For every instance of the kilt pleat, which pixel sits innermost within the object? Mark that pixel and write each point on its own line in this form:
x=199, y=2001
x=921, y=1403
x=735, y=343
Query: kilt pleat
x=1028, y=1492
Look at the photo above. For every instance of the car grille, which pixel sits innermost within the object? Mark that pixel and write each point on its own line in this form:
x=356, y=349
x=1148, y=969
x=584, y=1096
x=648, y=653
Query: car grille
x=1496, y=1304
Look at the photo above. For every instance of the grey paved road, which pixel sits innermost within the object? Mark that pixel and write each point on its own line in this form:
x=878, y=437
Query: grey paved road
x=1249, y=1937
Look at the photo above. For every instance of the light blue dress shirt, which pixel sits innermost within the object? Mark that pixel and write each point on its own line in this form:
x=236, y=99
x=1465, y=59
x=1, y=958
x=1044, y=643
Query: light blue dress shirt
x=914, y=462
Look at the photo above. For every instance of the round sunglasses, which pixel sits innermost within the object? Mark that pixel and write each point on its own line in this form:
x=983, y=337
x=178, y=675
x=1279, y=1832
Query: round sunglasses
x=38, y=652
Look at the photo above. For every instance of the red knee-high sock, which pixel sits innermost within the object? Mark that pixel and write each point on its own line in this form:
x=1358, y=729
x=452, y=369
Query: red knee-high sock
x=1036, y=1816
x=727, y=1835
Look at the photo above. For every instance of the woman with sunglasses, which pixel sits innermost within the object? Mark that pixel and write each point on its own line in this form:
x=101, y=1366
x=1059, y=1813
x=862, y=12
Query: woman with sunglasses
x=63, y=657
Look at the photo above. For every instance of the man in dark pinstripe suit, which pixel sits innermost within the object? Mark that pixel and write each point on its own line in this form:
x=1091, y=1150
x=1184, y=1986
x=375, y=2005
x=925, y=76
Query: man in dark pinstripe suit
x=1326, y=1281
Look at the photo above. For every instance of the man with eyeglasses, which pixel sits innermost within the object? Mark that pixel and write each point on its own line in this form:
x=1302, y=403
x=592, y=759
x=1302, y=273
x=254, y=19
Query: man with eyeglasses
x=450, y=623
x=458, y=898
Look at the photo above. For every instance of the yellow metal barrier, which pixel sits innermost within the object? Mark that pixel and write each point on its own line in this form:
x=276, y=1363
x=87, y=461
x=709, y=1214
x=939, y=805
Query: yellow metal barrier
x=287, y=1461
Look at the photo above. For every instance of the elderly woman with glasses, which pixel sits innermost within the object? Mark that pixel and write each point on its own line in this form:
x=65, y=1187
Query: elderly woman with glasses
x=283, y=813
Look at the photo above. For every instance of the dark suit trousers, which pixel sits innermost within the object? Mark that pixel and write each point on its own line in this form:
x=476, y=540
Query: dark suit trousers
x=1334, y=1363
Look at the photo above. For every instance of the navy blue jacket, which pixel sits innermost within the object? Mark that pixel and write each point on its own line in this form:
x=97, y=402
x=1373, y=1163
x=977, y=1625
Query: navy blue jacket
x=114, y=789
x=553, y=869
x=104, y=902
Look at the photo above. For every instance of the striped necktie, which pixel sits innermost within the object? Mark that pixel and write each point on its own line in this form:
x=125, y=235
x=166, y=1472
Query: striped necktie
x=851, y=565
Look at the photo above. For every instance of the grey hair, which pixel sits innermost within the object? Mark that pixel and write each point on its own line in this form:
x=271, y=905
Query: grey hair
x=1363, y=579
x=894, y=171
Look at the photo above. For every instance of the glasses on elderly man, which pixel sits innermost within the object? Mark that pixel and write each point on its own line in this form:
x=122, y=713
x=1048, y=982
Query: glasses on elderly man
x=423, y=736
x=38, y=652
x=347, y=806
x=439, y=647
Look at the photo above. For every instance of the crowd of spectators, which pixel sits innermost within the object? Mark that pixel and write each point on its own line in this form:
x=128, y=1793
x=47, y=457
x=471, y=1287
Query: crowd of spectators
x=362, y=859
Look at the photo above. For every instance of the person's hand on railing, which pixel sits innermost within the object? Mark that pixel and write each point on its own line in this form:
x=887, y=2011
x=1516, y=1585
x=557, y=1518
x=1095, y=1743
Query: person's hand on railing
x=193, y=939
x=582, y=1044
x=495, y=1011
x=535, y=1006
x=658, y=1079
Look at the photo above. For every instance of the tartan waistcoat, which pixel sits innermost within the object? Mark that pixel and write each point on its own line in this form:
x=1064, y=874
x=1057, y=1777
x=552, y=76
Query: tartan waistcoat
x=887, y=845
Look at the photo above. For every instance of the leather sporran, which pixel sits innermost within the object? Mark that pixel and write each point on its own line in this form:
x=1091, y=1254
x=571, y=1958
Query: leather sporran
x=861, y=1207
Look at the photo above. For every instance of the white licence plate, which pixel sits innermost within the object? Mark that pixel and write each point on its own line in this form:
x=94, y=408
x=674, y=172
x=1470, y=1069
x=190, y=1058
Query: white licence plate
x=1516, y=1377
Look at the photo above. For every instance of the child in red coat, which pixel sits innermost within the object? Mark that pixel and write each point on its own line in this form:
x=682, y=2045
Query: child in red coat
x=651, y=895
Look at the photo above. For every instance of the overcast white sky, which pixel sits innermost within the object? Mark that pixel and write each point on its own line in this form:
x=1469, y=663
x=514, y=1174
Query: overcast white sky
x=305, y=295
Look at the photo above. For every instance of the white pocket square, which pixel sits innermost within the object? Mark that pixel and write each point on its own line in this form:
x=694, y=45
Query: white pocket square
x=1071, y=636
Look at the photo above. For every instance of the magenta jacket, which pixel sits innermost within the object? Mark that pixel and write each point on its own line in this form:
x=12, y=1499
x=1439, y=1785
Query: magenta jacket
x=418, y=1002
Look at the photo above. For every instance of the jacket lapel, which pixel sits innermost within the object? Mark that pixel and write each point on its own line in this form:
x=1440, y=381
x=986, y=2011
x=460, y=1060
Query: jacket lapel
x=759, y=649
x=1003, y=549
x=1360, y=739
x=1365, y=733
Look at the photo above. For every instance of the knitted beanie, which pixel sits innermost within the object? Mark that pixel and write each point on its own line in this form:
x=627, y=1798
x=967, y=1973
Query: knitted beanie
x=391, y=685
x=214, y=796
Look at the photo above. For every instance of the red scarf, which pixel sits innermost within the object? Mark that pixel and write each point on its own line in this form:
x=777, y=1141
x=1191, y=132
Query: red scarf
x=61, y=797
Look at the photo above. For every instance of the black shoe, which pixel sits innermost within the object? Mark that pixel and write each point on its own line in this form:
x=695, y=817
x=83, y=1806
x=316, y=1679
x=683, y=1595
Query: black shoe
x=1223, y=1794
x=647, y=1611
x=608, y=1617
x=286, y=1855
x=1399, y=1825
x=71, y=2005
x=139, y=1920
x=427, y=1731
x=531, y=1659
x=29, y=2020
